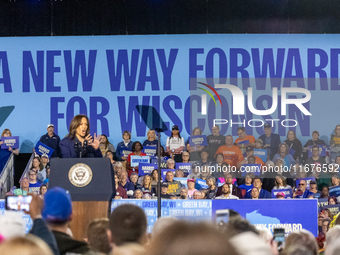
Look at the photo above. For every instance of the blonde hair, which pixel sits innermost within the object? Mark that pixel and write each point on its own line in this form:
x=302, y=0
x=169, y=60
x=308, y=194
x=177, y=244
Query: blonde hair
x=29, y=245
x=149, y=132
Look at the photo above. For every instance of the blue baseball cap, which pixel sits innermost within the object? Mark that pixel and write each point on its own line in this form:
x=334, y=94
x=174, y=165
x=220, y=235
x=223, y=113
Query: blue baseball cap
x=57, y=205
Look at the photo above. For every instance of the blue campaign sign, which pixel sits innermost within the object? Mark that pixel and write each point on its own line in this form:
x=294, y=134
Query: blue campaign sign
x=150, y=150
x=193, y=210
x=186, y=167
x=287, y=192
x=289, y=214
x=10, y=141
x=245, y=142
x=201, y=183
x=125, y=152
x=146, y=168
x=251, y=168
x=136, y=160
x=42, y=148
x=291, y=151
x=163, y=162
x=198, y=140
x=333, y=208
x=166, y=170
x=334, y=191
x=322, y=202
x=307, y=179
x=26, y=217
x=261, y=153
x=322, y=151
x=184, y=181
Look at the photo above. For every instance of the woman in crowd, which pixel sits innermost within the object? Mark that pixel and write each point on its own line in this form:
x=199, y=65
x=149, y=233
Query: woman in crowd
x=335, y=143
x=79, y=143
x=325, y=192
x=294, y=144
x=5, y=153
x=185, y=157
x=170, y=164
x=35, y=164
x=218, y=169
x=154, y=178
x=136, y=149
x=175, y=144
x=125, y=145
x=332, y=201
x=191, y=188
x=281, y=183
x=105, y=145
x=146, y=186
x=138, y=194
x=134, y=180
x=283, y=152
x=194, y=151
x=42, y=190
x=110, y=155
x=151, y=139
x=179, y=173
x=211, y=190
x=118, y=168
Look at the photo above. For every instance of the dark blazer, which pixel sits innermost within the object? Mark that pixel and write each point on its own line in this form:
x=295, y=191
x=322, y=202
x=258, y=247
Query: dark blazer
x=274, y=145
x=236, y=191
x=68, y=150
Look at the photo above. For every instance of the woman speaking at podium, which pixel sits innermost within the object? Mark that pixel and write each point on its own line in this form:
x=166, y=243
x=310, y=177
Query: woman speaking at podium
x=79, y=143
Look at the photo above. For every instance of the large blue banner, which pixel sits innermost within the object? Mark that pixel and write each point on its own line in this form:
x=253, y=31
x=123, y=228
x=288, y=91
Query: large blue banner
x=289, y=214
x=193, y=210
x=106, y=77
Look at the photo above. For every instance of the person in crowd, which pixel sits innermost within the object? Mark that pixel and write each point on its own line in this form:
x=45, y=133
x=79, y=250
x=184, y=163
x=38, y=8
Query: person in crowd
x=335, y=180
x=205, y=172
x=179, y=173
x=310, y=143
x=315, y=159
x=146, y=196
x=332, y=241
x=257, y=183
x=164, y=155
x=5, y=153
x=120, y=191
x=42, y=190
x=97, y=236
x=105, y=145
x=174, y=187
x=183, y=193
x=128, y=224
x=219, y=160
x=254, y=193
x=34, y=185
x=197, y=195
x=138, y=194
x=128, y=186
x=79, y=143
x=332, y=201
x=231, y=153
x=57, y=213
x=24, y=187
x=195, y=171
x=211, y=190
x=243, y=139
x=175, y=144
x=248, y=180
x=236, y=191
x=324, y=192
x=258, y=144
x=118, y=168
x=280, y=195
x=195, y=151
x=164, y=191
x=226, y=194
x=110, y=155
x=313, y=188
x=134, y=180
x=151, y=139
x=205, y=158
x=250, y=152
x=185, y=157
x=294, y=144
x=302, y=191
x=281, y=182
x=335, y=138
x=146, y=187
x=170, y=164
x=44, y=161
x=44, y=164
x=52, y=140
x=126, y=144
x=136, y=149
x=271, y=141
x=35, y=164
x=302, y=239
x=191, y=187
x=47, y=180
x=215, y=141
x=283, y=152
x=154, y=178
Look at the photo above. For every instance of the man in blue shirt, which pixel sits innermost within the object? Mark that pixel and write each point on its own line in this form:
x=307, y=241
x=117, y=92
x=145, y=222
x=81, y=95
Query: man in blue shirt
x=257, y=183
x=52, y=140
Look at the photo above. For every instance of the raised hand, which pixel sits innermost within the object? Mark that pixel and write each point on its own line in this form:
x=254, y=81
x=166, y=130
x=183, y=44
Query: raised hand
x=96, y=142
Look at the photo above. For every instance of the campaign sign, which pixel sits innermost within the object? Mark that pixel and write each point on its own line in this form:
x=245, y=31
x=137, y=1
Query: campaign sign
x=287, y=192
x=135, y=160
x=201, y=183
x=164, y=172
x=333, y=208
x=322, y=151
x=183, y=181
x=150, y=150
x=291, y=214
x=125, y=152
x=334, y=191
x=322, y=202
x=245, y=142
x=192, y=210
x=261, y=153
x=146, y=168
x=198, y=140
x=186, y=167
x=42, y=148
x=26, y=217
x=163, y=162
x=251, y=168
x=291, y=151
x=10, y=141
x=307, y=179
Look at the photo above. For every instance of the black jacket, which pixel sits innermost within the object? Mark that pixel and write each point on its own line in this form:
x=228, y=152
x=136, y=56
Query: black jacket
x=67, y=244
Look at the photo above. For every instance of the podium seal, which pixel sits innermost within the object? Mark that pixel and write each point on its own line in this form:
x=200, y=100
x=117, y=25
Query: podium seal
x=80, y=175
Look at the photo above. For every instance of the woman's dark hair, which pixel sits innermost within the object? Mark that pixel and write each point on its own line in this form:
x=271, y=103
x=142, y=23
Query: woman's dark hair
x=152, y=179
x=75, y=123
x=334, y=198
x=107, y=141
x=179, y=134
x=43, y=185
x=284, y=181
x=133, y=149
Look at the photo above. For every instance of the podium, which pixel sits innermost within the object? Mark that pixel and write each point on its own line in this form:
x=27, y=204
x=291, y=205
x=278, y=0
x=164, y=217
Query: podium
x=90, y=182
